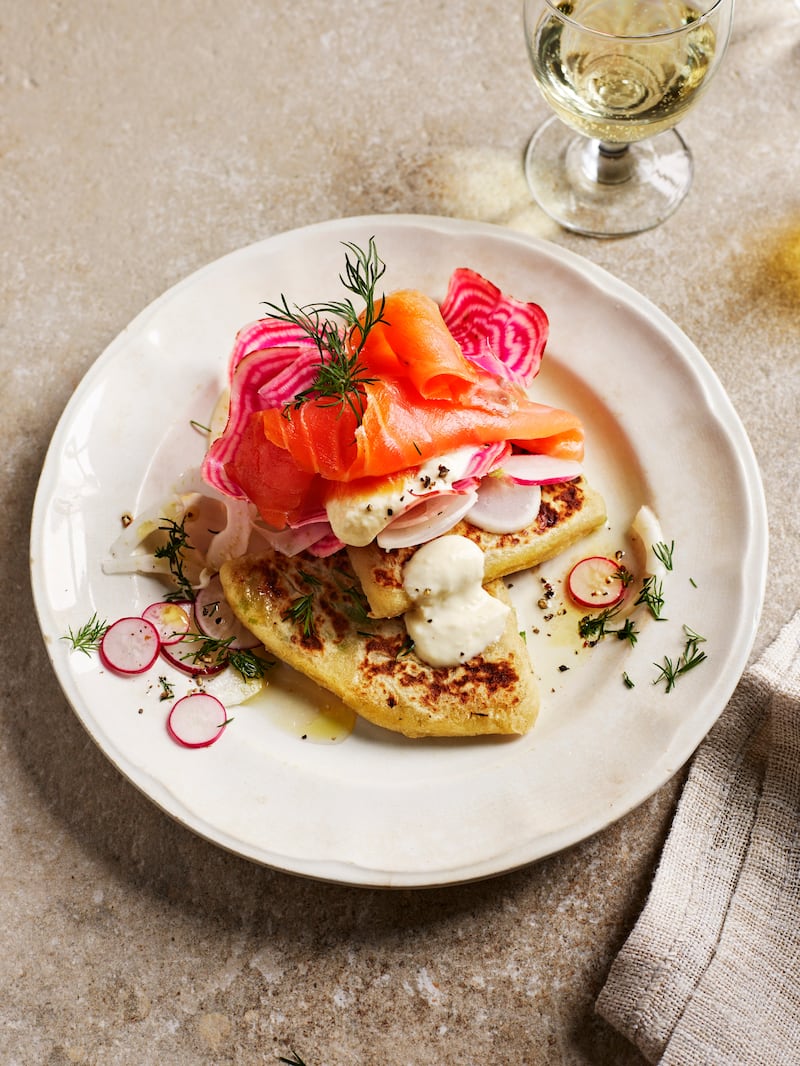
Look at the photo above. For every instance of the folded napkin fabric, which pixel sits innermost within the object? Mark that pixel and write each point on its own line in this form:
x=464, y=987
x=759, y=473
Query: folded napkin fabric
x=710, y=974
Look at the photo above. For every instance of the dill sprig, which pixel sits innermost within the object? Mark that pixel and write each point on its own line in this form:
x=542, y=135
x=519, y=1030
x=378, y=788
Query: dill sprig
x=691, y=656
x=623, y=575
x=651, y=595
x=340, y=376
x=167, y=689
x=301, y=611
x=593, y=627
x=87, y=638
x=218, y=651
x=357, y=606
x=406, y=648
x=663, y=552
x=295, y=1060
x=174, y=551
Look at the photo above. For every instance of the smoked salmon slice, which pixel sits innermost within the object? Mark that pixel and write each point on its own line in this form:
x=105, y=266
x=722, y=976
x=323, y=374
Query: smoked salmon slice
x=434, y=379
x=399, y=430
x=412, y=341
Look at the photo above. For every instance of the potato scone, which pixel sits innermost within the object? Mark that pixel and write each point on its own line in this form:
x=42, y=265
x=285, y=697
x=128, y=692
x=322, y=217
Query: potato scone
x=569, y=511
x=311, y=614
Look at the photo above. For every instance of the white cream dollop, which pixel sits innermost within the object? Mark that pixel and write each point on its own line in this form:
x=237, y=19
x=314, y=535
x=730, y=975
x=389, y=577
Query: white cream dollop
x=453, y=618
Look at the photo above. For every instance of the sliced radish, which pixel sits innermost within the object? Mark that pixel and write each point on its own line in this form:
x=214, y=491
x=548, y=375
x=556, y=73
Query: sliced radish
x=171, y=620
x=596, y=582
x=196, y=721
x=530, y=469
x=504, y=506
x=435, y=515
x=130, y=645
x=182, y=656
x=215, y=618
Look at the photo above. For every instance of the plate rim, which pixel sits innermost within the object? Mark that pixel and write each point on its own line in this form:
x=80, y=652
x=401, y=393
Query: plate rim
x=345, y=872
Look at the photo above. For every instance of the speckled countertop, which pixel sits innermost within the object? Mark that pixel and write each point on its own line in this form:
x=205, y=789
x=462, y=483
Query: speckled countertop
x=140, y=141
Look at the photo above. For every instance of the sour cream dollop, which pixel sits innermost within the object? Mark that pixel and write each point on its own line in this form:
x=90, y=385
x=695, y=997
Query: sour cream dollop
x=453, y=618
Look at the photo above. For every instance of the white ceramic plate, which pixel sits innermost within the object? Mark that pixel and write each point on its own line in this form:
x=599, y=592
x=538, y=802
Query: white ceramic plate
x=377, y=809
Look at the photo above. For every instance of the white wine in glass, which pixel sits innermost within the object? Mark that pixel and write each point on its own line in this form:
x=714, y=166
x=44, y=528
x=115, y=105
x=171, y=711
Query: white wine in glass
x=619, y=75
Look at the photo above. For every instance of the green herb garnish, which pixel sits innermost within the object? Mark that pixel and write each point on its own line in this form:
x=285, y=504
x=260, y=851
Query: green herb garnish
x=167, y=689
x=623, y=575
x=217, y=651
x=593, y=627
x=174, y=551
x=406, y=648
x=340, y=376
x=691, y=656
x=301, y=611
x=663, y=552
x=88, y=637
x=652, y=596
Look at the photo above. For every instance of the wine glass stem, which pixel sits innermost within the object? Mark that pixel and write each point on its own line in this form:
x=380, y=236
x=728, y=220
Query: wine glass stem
x=614, y=163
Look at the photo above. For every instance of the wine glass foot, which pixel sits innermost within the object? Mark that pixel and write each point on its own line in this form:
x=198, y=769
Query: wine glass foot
x=607, y=190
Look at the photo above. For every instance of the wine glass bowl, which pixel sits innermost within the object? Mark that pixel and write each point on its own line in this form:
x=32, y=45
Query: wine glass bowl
x=619, y=74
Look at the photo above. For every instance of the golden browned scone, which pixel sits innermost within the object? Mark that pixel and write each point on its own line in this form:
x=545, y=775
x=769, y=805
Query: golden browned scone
x=311, y=614
x=569, y=511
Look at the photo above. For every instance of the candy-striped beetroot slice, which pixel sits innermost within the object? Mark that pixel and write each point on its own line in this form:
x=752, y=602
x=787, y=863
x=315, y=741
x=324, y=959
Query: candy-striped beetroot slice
x=171, y=620
x=130, y=645
x=196, y=721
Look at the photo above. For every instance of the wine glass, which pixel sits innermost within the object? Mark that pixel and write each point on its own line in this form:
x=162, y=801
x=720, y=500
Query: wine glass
x=621, y=73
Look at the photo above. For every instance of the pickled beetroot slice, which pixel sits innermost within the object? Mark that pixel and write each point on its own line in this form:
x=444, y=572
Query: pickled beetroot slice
x=196, y=721
x=171, y=620
x=596, y=582
x=496, y=331
x=130, y=646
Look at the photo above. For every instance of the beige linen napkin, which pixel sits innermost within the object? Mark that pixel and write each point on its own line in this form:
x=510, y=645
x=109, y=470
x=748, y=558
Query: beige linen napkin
x=711, y=972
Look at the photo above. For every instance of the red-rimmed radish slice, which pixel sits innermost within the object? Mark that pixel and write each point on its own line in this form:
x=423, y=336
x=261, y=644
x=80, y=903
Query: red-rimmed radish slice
x=530, y=469
x=432, y=517
x=596, y=582
x=182, y=657
x=504, y=506
x=171, y=620
x=215, y=618
x=196, y=721
x=130, y=645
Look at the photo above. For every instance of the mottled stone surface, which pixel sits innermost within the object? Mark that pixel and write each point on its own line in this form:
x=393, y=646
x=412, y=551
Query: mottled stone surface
x=141, y=140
